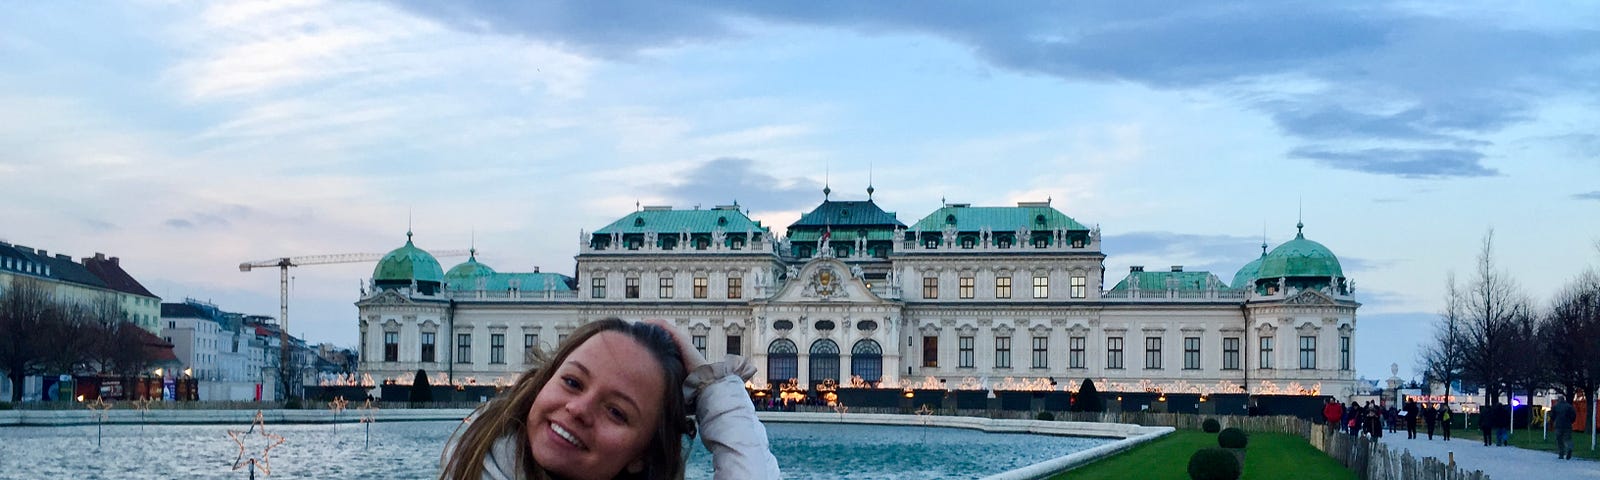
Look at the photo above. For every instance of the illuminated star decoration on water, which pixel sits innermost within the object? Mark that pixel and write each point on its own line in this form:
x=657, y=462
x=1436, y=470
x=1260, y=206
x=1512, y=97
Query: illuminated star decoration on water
x=338, y=405
x=839, y=407
x=924, y=413
x=369, y=412
x=259, y=438
x=99, y=408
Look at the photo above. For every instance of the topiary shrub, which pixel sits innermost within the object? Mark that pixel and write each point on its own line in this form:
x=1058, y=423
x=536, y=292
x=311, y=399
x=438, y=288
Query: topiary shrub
x=1213, y=464
x=1211, y=425
x=421, y=393
x=1232, y=438
x=1046, y=416
x=6, y=406
x=1088, y=398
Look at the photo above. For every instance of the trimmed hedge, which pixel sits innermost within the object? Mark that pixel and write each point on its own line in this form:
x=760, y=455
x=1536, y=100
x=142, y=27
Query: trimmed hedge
x=1211, y=425
x=1045, y=415
x=1232, y=438
x=1214, y=464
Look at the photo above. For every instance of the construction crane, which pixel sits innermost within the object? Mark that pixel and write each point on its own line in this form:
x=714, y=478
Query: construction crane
x=283, y=264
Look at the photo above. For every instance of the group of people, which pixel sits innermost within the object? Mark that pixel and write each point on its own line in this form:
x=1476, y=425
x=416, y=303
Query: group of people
x=1372, y=419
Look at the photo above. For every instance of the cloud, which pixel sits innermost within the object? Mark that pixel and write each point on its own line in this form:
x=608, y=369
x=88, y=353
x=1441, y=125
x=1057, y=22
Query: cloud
x=1222, y=255
x=729, y=179
x=1595, y=195
x=1419, y=78
x=1406, y=163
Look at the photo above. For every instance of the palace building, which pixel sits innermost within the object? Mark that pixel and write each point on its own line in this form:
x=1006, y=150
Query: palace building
x=1002, y=297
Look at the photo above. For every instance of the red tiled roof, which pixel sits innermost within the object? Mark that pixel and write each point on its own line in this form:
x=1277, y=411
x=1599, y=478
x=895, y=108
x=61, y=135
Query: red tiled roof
x=110, y=271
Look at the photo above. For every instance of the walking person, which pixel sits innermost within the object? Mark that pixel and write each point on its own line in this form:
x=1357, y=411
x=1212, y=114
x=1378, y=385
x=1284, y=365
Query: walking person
x=1486, y=423
x=1561, y=417
x=1333, y=412
x=1502, y=424
x=1391, y=417
x=1444, y=418
x=1409, y=415
x=1430, y=417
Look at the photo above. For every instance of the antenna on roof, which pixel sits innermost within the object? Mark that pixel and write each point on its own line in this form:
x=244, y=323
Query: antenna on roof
x=1300, y=223
x=635, y=204
x=1263, y=237
x=408, y=224
x=473, y=251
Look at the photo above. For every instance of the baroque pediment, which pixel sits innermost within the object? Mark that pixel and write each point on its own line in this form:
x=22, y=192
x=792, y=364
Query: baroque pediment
x=1310, y=297
x=825, y=280
x=386, y=297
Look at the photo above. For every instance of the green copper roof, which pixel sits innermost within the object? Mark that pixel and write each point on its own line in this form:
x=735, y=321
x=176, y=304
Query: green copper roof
x=730, y=220
x=1247, y=274
x=846, y=214
x=1187, y=281
x=998, y=219
x=843, y=234
x=503, y=281
x=407, y=263
x=1300, y=258
x=467, y=271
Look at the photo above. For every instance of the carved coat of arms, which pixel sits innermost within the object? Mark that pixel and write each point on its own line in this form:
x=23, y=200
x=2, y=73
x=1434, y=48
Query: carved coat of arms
x=825, y=284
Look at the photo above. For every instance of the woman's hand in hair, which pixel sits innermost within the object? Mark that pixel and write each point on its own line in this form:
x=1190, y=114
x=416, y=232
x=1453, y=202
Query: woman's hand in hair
x=692, y=358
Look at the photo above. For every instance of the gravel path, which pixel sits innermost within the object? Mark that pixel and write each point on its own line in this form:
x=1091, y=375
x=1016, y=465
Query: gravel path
x=1501, y=463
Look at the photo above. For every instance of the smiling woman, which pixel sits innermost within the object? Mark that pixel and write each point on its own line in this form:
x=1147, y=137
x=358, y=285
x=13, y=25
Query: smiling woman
x=596, y=410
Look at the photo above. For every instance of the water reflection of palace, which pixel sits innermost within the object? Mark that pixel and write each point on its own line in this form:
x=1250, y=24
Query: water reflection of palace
x=966, y=297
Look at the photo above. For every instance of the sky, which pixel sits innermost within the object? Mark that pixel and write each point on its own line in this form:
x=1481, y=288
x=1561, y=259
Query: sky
x=188, y=137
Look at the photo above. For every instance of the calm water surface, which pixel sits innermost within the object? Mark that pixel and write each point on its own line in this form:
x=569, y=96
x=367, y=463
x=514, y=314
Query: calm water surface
x=410, y=450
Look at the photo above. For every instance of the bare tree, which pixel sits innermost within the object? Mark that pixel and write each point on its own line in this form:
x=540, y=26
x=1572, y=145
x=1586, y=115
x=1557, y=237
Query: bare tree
x=26, y=308
x=1494, y=312
x=1438, y=358
x=1570, y=336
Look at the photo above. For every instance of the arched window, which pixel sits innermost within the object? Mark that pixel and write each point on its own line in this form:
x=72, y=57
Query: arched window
x=783, y=361
x=824, y=361
x=866, y=361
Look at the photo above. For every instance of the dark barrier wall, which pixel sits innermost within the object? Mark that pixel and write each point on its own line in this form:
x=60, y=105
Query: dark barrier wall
x=441, y=393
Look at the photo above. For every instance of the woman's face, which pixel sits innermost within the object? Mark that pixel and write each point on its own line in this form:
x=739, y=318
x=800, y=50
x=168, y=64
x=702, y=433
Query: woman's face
x=599, y=411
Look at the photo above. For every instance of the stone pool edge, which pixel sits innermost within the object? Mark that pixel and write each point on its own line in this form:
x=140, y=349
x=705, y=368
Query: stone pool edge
x=63, y=418
x=1128, y=435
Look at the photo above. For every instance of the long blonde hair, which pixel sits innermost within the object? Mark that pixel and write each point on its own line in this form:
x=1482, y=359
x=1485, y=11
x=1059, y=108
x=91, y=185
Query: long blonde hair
x=507, y=414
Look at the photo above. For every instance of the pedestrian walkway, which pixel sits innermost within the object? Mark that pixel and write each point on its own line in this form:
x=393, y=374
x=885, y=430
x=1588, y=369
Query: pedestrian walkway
x=1501, y=463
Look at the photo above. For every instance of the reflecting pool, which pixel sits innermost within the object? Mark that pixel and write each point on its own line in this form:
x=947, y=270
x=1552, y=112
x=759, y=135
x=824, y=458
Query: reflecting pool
x=410, y=450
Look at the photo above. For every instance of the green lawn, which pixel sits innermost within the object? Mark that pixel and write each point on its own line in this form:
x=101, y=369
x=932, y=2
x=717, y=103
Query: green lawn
x=1534, y=440
x=1269, y=456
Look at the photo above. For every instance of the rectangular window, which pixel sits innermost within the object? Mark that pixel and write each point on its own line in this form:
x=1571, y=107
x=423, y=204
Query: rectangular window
x=428, y=347
x=1152, y=353
x=631, y=287
x=699, y=342
x=966, y=287
x=597, y=287
x=1080, y=286
x=391, y=346
x=1002, y=352
x=1002, y=287
x=530, y=342
x=1041, y=352
x=1041, y=286
x=1114, y=353
x=463, y=348
x=699, y=287
x=733, y=344
x=735, y=287
x=1266, y=352
x=665, y=291
x=965, y=347
x=1308, y=353
x=1075, y=351
x=1191, y=353
x=497, y=348
x=1344, y=353
x=930, y=287
x=930, y=351
x=1230, y=353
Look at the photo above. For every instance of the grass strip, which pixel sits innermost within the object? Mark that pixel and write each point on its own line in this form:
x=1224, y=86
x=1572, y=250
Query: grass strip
x=1269, y=456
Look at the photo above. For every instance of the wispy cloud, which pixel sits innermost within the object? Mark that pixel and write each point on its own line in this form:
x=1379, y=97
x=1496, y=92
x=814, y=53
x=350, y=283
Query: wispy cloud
x=1595, y=195
x=725, y=180
x=1431, y=82
x=1407, y=163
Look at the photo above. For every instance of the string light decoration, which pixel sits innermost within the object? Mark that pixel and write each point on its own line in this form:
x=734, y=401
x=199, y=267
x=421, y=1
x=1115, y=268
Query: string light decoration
x=100, y=410
x=369, y=415
x=257, y=435
x=143, y=406
x=337, y=406
x=926, y=414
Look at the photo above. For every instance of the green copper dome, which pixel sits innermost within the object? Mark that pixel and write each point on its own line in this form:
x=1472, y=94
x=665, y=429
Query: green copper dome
x=407, y=263
x=1247, y=275
x=467, y=273
x=1300, y=258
